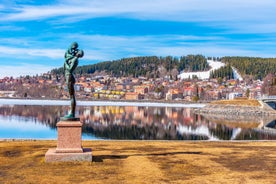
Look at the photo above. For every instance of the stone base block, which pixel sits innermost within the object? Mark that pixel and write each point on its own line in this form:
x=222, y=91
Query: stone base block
x=69, y=136
x=53, y=156
x=69, y=150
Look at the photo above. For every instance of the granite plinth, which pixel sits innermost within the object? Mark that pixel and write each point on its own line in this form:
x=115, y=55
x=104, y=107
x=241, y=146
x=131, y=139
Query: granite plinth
x=53, y=156
x=69, y=137
x=69, y=146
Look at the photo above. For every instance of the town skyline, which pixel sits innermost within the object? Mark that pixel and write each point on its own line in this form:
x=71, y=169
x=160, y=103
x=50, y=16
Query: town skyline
x=35, y=34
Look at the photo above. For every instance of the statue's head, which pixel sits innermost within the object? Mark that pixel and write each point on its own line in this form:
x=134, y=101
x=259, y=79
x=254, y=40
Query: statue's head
x=74, y=45
x=80, y=53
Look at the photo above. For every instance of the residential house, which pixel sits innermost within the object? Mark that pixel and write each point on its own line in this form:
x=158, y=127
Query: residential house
x=189, y=91
x=133, y=96
x=88, y=89
x=119, y=87
x=174, y=94
x=234, y=95
x=135, y=80
x=141, y=89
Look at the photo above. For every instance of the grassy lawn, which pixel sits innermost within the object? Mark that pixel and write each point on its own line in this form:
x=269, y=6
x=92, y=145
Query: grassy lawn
x=240, y=102
x=142, y=162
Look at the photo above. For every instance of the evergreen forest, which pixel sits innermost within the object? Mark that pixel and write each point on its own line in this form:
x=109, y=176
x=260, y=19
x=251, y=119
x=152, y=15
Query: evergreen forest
x=147, y=66
x=254, y=66
x=223, y=72
x=154, y=67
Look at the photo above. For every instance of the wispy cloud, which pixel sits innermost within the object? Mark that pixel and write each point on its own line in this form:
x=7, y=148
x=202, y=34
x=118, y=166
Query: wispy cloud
x=40, y=31
x=30, y=52
x=24, y=69
x=174, y=10
x=11, y=28
x=236, y=16
x=104, y=47
x=208, y=50
x=175, y=45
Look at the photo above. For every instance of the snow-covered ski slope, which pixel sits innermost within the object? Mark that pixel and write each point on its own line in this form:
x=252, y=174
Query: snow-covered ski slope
x=206, y=74
x=237, y=75
x=202, y=75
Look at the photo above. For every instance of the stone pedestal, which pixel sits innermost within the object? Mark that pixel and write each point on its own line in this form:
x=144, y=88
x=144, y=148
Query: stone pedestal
x=69, y=137
x=69, y=147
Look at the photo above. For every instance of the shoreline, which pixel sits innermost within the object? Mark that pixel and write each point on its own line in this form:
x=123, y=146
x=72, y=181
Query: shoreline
x=10, y=101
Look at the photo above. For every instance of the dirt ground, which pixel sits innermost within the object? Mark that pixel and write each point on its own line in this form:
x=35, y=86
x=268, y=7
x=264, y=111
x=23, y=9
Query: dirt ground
x=142, y=162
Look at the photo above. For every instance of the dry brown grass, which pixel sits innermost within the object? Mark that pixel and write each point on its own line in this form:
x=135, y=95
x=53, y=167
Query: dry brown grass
x=239, y=102
x=142, y=162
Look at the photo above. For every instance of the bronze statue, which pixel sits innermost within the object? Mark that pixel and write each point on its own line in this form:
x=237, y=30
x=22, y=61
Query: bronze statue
x=70, y=64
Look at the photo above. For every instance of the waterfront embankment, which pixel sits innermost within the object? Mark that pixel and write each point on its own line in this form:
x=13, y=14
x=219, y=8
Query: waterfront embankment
x=238, y=108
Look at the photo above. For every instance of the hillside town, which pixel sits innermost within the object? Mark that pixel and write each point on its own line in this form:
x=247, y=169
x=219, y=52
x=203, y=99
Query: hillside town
x=106, y=87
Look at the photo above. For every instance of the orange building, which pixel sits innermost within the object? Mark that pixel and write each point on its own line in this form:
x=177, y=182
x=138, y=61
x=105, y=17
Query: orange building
x=133, y=96
x=119, y=87
x=141, y=89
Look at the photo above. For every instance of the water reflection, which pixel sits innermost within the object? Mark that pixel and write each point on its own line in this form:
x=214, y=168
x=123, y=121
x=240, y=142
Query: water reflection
x=149, y=123
x=271, y=124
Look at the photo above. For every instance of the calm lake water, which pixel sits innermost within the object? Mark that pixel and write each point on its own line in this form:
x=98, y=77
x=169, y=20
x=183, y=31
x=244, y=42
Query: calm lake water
x=129, y=123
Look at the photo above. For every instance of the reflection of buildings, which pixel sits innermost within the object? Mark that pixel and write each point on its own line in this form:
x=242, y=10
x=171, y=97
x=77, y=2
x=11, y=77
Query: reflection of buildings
x=41, y=114
x=116, y=122
x=155, y=123
x=159, y=122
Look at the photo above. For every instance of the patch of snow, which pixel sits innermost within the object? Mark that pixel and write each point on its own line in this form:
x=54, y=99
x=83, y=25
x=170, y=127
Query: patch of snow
x=200, y=130
x=237, y=74
x=202, y=75
x=236, y=132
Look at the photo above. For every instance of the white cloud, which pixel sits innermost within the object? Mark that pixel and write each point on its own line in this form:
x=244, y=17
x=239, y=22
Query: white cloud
x=227, y=18
x=116, y=47
x=175, y=10
x=207, y=50
x=29, y=52
x=11, y=28
x=235, y=16
x=251, y=28
x=15, y=52
x=105, y=41
x=23, y=70
x=103, y=48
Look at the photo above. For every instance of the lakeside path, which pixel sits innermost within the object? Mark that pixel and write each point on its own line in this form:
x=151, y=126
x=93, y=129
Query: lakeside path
x=7, y=101
x=143, y=162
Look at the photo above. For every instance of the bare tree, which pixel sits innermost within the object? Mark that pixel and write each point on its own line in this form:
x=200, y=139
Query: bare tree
x=162, y=71
x=174, y=73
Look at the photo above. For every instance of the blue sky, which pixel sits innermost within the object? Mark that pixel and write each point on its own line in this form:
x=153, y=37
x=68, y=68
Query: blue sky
x=34, y=34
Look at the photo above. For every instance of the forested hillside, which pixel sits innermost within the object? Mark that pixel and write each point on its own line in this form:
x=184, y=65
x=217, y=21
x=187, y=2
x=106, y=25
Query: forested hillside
x=148, y=66
x=255, y=66
x=153, y=66
x=223, y=72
